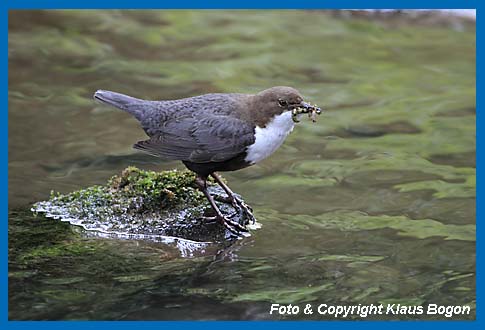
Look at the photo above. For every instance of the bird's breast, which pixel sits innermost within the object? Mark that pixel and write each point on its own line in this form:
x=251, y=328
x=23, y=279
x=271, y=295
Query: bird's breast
x=269, y=138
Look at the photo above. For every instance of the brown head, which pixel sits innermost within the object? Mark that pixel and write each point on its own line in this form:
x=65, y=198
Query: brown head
x=274, y=101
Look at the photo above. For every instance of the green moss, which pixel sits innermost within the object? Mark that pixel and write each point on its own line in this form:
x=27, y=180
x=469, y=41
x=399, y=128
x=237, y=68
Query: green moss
x=157, y=189
x=134, y=189
x=169, y=187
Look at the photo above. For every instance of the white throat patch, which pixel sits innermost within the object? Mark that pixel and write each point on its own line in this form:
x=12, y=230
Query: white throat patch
x=270, y=138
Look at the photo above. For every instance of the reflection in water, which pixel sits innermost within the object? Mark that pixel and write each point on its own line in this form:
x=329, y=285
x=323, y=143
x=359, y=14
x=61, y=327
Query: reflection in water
x=375, y=203
x=187, y=248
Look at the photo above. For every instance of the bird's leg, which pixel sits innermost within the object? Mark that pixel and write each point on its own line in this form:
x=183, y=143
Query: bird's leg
x=232, y=226
x=236, y=202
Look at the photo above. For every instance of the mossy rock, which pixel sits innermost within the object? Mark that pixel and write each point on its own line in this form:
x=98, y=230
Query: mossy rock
x=143, y=204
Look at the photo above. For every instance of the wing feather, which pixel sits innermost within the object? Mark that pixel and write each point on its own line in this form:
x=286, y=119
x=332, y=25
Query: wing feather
x=214, y=138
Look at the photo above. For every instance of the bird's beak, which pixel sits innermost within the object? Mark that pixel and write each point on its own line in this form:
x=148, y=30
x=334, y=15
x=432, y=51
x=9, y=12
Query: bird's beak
x=310, y=108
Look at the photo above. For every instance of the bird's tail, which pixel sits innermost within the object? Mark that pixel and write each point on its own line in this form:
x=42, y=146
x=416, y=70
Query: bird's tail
x=124, y=102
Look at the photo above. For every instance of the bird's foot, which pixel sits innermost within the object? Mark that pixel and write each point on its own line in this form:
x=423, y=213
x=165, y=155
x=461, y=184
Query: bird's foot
x=234, y=227
x=210, y=219
x=223, y=199
x=238, y=204
x=246, y=209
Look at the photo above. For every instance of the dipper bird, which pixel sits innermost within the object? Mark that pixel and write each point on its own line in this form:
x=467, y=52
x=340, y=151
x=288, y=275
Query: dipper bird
x=215, y=132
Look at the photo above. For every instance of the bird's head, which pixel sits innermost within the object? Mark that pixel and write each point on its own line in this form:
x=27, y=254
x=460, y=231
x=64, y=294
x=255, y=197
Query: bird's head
x=280, y=99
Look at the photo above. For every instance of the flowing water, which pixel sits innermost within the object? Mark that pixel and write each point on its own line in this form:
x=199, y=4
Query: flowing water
x=374, y=203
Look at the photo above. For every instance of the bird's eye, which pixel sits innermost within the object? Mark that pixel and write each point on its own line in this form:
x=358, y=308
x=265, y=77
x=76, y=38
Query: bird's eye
x=282, y=103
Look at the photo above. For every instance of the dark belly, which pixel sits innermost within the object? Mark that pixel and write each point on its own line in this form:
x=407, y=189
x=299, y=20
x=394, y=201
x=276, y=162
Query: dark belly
x=205, y=169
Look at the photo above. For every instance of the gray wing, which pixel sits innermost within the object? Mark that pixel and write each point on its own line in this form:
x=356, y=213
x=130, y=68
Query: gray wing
x=214, y=138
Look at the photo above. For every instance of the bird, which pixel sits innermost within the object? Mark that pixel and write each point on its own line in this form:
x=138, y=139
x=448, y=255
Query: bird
x=216, y=132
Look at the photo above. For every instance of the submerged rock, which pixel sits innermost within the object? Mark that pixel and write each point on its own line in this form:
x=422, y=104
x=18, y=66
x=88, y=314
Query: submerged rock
x=144, y=204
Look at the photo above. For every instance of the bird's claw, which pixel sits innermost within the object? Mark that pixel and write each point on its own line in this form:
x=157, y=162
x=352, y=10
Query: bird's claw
x=235, y=228
x=248, y=210
x=239, y=205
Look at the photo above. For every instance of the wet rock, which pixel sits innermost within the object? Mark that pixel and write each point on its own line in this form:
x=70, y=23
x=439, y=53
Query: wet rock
x=144, y=204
